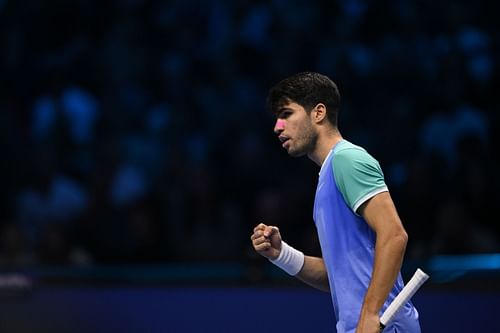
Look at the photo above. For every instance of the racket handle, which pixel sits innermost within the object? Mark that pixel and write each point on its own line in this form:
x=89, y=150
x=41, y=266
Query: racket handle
x=411, y=288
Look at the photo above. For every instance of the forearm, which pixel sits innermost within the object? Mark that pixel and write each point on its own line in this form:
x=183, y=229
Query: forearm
x=389, y=253
x=311, y=270
x=314, y=273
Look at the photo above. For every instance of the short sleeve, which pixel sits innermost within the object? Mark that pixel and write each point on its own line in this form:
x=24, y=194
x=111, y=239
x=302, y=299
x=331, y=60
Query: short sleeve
x=358, y=176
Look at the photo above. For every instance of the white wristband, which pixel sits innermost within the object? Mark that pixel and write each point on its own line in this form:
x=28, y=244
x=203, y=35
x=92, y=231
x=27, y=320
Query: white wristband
x=290, y=260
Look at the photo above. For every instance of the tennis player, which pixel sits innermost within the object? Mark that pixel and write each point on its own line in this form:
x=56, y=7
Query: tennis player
x=361, y=236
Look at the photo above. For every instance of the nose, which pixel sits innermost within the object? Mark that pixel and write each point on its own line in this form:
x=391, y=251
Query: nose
x=279, y=126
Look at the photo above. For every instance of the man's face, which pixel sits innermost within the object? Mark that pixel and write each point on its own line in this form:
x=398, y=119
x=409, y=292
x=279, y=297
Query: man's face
x=295, y=130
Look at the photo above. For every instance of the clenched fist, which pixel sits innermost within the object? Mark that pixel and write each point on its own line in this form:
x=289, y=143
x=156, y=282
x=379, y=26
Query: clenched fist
x=266, y=240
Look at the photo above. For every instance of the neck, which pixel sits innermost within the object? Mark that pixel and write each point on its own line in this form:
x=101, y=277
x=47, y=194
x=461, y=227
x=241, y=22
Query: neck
x=323, y=146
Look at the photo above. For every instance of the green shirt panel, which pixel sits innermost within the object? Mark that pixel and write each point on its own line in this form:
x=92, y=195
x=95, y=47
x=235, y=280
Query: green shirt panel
x=357, y=174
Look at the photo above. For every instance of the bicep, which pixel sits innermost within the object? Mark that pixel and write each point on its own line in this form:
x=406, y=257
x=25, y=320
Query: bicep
x=381, y=215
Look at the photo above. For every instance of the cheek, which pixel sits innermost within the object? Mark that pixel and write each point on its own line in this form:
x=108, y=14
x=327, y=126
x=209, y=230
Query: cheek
x=306, y=131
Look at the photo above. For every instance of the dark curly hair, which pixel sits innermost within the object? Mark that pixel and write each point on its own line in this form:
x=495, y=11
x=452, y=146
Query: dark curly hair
x=306, y=89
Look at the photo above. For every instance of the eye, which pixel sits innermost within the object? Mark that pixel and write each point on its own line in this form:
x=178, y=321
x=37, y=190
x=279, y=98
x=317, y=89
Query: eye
x=285, y=114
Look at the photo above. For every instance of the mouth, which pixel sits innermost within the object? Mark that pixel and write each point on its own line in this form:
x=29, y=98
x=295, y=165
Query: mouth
x=284, y=141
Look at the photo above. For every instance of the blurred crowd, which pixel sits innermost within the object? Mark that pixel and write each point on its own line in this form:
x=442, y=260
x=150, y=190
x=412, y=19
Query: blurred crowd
x=135, y=131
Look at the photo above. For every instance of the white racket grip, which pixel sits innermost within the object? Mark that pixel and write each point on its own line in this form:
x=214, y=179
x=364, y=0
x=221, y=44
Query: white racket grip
x=408, y=291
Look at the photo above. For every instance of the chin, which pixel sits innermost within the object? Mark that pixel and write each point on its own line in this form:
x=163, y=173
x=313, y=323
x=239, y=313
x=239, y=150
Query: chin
x=295, y=153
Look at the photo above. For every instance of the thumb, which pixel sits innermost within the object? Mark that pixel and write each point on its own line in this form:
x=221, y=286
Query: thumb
x=271, y=230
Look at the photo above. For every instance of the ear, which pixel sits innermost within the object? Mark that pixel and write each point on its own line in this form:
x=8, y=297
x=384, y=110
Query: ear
x=318, y=114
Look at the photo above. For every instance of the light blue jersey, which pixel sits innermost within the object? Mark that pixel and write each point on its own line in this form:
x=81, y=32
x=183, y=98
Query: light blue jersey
x=349, y=177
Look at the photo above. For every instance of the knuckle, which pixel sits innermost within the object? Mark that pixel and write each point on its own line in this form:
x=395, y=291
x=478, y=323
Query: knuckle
x=263, y=246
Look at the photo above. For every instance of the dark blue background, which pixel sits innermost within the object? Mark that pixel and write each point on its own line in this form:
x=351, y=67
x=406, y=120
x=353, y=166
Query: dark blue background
x=136, y=131
x=154, y=309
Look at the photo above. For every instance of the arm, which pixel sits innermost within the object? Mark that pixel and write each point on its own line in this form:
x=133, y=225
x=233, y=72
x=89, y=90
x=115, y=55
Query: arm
x=314, y=273
x=381, y=215
x=267, y=241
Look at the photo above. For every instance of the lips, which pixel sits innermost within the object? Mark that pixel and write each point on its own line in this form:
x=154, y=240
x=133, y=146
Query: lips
x=284, y=141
